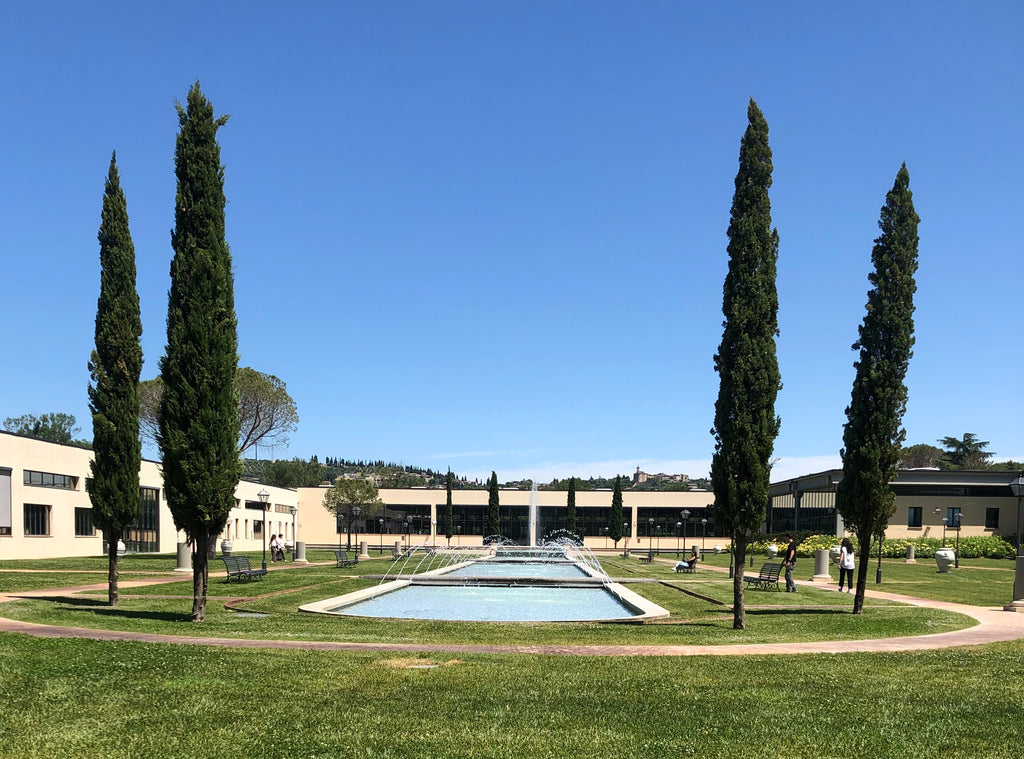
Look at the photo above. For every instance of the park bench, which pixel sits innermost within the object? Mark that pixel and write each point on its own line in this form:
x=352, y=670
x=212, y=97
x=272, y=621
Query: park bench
x=395, y=554
x=239, y=568
x=648, y=558
x=692, y=566
x=768, y=576
x=344, y=560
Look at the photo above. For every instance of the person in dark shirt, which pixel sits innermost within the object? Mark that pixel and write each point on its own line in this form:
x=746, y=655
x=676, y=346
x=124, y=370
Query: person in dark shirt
x=789, y=561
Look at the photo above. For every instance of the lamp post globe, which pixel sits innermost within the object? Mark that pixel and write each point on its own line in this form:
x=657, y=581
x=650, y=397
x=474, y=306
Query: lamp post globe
x=264, y=497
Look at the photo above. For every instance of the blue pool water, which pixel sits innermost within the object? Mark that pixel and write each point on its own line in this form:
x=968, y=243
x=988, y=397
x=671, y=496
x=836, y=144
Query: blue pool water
x=518, y=569
x=523, y=603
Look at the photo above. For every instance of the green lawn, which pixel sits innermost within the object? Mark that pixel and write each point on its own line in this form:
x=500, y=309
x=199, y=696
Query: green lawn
x=84, y=699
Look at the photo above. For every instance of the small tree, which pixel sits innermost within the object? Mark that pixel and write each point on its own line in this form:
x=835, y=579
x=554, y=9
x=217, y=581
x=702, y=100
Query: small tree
x=570, y=507
x=874, y=432
x=615, y=513
x=113, y=395
x=342, y=498
x=493, y=523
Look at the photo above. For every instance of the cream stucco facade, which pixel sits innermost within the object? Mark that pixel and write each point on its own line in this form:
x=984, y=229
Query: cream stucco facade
x=45, y=510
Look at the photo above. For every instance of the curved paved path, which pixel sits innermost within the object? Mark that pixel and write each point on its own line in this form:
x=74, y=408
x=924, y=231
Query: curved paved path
x=994, y=625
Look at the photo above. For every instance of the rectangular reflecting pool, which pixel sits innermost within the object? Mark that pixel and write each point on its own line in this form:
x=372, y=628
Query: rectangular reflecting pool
x=518, y=569
x=491, y=603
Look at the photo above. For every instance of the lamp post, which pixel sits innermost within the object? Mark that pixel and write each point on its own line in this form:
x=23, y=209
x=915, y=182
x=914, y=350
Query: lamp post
x=678, y=525
x=956, y=551
x=1017, y=487
x=295, y=535
x=355, y=516
x=945, y=521
x=685, y=514
x=264, y=497
x=703, y=536
x=380, y=523
x=408, y=527
x=650, y=531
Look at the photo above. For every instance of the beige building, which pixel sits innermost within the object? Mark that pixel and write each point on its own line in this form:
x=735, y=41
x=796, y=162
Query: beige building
x=924, y=498
x=412, y=516
x=45, y=510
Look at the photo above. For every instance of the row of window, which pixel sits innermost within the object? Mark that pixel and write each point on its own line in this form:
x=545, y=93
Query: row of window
x=915, y=515
x=141, y=536
x=50, y=480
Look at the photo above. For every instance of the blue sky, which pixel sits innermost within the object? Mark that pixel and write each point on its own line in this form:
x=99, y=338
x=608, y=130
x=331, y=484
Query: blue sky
x=491, y=235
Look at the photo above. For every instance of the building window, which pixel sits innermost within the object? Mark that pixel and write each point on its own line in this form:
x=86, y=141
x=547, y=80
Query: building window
x=48, y=480
x=37, y=519
x=914, y=516
x=83, y=522
x=143, y=536
x=953, y=517
x=991, y=519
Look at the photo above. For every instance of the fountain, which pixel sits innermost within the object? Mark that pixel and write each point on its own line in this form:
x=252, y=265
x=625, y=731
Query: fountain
x=533, y=514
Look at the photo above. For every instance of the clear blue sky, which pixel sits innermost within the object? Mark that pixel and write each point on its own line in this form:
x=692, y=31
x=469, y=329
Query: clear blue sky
x=491, y=235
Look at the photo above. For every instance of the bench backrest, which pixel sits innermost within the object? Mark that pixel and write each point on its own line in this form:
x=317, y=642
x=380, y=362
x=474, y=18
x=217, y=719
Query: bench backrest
x=770, y=570
x=235, y=563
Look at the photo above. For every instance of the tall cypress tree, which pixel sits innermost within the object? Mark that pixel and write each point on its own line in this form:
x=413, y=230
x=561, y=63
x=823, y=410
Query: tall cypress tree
x=449, y=519
x=198, y=409
x=873, y=434
x=615, y=513
x=745, y=422
x=493, y=525
x=115, y=365
x=570, y=507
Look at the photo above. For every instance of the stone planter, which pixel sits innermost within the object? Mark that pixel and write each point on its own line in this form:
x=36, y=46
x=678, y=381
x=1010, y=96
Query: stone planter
x=833, y=554
x=945, y=558
x=716, y=549
x=225, y=547
x=772, y=551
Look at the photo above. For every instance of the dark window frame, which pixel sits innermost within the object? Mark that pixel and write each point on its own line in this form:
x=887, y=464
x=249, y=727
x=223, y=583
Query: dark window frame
x=915, y=514
x=37, y=519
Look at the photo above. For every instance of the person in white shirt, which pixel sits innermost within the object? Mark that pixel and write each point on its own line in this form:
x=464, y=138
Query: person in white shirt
x=846, y=565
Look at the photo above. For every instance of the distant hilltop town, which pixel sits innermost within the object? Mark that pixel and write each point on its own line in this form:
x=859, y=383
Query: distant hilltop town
x=640, y=477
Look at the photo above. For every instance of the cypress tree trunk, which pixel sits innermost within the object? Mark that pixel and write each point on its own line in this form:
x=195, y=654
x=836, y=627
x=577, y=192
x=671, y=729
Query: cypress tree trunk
x=745, y=422
x=198, y=434
x=115, y=365
x=873, y=434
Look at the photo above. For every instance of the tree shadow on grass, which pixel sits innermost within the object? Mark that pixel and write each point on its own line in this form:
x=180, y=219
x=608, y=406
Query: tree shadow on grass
x=96, y=606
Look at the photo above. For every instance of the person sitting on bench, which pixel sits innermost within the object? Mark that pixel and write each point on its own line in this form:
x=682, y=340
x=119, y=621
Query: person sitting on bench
x=690, y=561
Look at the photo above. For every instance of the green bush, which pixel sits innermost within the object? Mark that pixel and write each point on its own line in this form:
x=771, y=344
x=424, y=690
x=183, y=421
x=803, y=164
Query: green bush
x=971, y=547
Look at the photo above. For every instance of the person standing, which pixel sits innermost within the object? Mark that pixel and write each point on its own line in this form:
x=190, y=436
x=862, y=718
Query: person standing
x=789, y=561
x=846, y=564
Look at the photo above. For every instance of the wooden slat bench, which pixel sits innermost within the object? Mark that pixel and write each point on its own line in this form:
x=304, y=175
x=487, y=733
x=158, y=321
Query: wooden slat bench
x=344, y=560
x=648, y=558
x=239, y=568
x=768, y=577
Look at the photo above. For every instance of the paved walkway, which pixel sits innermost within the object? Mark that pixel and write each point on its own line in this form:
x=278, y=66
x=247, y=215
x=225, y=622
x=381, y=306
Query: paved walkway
x=994, y=625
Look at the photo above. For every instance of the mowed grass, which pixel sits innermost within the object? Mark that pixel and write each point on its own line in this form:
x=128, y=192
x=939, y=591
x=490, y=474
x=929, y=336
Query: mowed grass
x=85, y=699
x=699, y=605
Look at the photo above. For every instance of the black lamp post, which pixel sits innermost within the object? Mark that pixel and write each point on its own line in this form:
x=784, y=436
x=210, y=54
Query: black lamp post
x=878, y=570
x=1017, y=487
x=704, y=535
x=408, y=527
x=264, y=497
x=355, y=516
x=956, y=551
x=685, y=514
x=678, y=525
x=650, y=531
x=380, y=524
x=945, y=521
x=295, y=535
